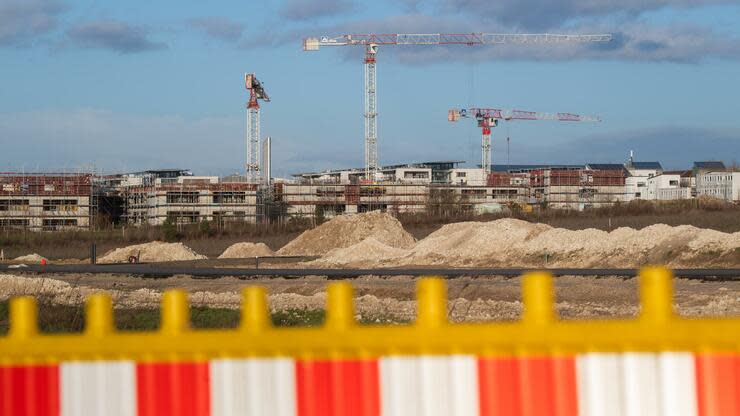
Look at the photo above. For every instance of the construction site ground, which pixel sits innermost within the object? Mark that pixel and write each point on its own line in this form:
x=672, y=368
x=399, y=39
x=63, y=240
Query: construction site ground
x=471, y=299
x=377, y=240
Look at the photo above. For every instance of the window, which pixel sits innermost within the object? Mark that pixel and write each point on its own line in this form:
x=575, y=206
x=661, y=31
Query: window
x=182, y=197
x=180, y=217
x=13, y=222
x=673, y=183
x=474, y=192
x=51, y=224
x=229, y=197
x=14, y=205
x=461, y=174
x=65, y=205
x=505, y=193
x=587, y=193
x=415, y=175
x=372, y=191
x=640, y=184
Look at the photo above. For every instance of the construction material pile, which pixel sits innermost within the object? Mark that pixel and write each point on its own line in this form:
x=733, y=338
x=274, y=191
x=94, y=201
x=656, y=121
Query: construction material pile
x=245, y=250
x=156, y=251
x=347, y=230
x=511, y=243
x=30, y=259
x=367, y=253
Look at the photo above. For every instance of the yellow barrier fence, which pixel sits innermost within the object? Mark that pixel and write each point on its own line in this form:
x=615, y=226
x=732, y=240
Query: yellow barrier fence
x=656, y=364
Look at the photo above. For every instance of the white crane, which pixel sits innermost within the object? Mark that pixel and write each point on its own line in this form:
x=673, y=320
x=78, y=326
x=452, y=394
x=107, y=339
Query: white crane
x=372, y=41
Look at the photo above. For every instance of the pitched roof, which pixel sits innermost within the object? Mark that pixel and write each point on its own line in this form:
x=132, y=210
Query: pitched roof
x=710, y=164
x=605, y=166
x=525, y=168
x=647, y=165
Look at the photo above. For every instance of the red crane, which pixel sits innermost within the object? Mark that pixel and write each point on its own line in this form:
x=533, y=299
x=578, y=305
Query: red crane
x=489, y=117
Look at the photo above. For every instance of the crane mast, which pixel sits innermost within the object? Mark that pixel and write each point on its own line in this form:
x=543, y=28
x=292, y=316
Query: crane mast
x=372, y=41
x=256, y=93
x=488, y=118
x=371, y=113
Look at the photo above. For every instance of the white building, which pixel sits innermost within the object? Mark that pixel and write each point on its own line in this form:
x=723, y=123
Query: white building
x=663, y=186
x=469, y=176
x=411, y=175
x=722, y=185
x=636, y=185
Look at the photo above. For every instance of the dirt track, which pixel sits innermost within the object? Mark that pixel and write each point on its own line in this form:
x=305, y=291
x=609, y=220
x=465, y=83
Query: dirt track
x=471, y=299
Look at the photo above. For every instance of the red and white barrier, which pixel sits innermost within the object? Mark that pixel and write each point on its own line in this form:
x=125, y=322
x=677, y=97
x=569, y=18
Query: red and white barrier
x=603, y=384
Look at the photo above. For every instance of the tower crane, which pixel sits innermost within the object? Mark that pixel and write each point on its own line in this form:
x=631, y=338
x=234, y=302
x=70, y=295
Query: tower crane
x=371, y=42
x=256, y=93
x=488, y=118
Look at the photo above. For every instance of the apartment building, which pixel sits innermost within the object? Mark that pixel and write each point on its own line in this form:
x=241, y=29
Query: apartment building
x=46, y=202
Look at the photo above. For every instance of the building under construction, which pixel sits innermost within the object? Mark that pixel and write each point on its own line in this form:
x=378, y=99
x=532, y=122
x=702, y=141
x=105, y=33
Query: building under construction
x=151, y=197
x=46, y=202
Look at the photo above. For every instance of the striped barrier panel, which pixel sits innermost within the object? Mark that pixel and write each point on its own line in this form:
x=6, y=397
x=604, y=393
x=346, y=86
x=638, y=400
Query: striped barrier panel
x=657, y=364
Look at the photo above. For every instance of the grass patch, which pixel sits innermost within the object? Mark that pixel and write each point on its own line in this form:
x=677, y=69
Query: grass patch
x=299, y=317
x=63, y=318
x=70, y=319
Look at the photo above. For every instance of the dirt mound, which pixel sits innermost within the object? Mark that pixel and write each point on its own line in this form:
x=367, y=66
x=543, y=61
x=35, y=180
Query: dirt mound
x=368, y=252
x=474, y=243
x=510, y=242
x=30, y=258
x=346, y=230
x=155, y=251
x=245, y=250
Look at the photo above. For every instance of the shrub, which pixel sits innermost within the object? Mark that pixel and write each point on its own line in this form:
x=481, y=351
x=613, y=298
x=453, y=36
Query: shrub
x=169, y=230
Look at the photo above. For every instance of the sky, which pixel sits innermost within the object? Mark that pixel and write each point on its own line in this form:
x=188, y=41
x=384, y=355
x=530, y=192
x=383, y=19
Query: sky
x=123, y=86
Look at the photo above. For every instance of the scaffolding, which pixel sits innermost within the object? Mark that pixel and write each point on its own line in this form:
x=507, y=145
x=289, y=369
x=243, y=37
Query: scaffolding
x=578, y=188
x=190, y=203
x=47, y=201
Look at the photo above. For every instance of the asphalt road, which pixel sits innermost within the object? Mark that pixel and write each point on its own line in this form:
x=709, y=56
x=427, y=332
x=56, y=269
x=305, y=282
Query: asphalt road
x=166, y=270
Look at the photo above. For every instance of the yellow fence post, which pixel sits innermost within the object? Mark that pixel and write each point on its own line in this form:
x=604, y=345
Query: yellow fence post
x=175, y=312
x=431, y=298
x=538, y=296
x=656, y=294
x=99, y=315
x=24, y=317
x=340, y=311
x=255, y=314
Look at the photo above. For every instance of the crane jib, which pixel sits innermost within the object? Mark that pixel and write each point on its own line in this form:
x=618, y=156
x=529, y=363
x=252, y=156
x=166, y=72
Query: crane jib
x=455, y=39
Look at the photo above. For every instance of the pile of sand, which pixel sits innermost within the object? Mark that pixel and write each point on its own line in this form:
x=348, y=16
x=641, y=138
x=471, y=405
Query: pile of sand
x=30, y=258
x=346, y=230
x=514, y=243
x=155, y=251
x=245, y=250
x=470, y=243
x=509, y=242
x=367, y=253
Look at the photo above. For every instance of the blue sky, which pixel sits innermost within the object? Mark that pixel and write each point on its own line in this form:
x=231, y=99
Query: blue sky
x=140, y=84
